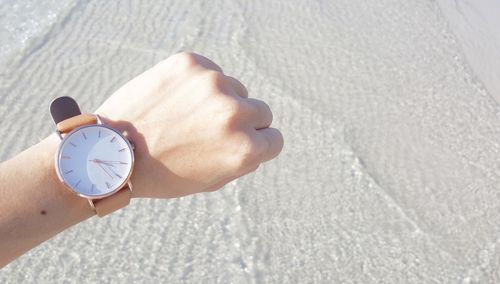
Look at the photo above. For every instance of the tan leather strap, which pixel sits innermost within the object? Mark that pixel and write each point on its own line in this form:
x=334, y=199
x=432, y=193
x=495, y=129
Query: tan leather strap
x=112, y=203
x=108, y=204
x=71, y=123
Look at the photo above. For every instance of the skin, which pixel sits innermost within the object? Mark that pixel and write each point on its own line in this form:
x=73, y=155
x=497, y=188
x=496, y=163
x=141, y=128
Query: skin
x=194, y=130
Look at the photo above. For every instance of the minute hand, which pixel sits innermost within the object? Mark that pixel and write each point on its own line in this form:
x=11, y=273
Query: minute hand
x=99, y=164
x=112, y=162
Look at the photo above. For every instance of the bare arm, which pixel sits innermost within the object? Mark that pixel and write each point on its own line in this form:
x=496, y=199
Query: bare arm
x=194, y=130
x=34, y=205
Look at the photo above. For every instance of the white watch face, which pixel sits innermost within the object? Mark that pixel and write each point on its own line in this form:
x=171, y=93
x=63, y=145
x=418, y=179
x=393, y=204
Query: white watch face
x=94, y=161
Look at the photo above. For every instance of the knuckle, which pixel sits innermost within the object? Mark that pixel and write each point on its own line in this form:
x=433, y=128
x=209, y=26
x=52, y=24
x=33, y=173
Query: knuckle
x=267, y=110
x=183, y=60
x=245, y=159
x=185, y=57
x=230, y=110
x=214, y=81
x=262, y=108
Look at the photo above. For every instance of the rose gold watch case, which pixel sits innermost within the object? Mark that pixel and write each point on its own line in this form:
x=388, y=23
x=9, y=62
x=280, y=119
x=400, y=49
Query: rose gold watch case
x=93, y=197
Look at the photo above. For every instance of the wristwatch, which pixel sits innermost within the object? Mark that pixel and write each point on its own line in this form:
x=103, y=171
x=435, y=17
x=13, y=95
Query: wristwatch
x=93, y=160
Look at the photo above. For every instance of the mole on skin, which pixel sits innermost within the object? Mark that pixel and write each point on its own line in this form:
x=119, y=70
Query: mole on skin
x=43, y=212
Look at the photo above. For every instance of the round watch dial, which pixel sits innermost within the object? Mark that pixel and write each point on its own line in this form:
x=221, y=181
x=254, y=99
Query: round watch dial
x=94, y=161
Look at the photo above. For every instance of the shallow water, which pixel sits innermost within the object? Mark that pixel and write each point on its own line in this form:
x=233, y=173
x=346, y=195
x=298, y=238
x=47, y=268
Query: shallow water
x=476, y=25
x=390, y=170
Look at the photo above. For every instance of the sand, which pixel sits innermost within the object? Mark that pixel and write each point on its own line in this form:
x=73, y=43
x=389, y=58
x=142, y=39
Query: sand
x=390, y=171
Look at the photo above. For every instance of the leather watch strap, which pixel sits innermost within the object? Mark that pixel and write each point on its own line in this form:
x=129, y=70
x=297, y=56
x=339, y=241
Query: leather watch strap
x=112, y=203
x=67, y=116
x=71, y=123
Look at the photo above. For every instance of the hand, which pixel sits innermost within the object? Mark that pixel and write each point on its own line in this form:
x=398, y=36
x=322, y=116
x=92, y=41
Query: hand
x=108, y=164
x=194, y=128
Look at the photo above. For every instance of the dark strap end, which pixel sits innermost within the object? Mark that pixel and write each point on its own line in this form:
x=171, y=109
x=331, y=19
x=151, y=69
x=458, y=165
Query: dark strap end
x=63, y=108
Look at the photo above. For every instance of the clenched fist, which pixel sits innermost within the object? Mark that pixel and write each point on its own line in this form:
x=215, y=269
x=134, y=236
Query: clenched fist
x=194, y=128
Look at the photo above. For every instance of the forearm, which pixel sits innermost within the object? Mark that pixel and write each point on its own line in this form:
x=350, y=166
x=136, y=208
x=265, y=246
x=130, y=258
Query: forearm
x=34, y=205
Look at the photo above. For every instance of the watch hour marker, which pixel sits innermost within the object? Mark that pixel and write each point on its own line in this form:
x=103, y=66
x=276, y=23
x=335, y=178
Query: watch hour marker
x=76, y=185
x=65, y=157
x=84, y=136
x=119, y=176
x=122, y=149
x=70, y=171
x=92, y=188
x=113, y=139
x=72, y=144
x=99, y=134
x=108, y=185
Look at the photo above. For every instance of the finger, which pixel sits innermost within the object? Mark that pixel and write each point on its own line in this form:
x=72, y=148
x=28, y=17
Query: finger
x=274, y=141
x=262, y=116
x=238, y=87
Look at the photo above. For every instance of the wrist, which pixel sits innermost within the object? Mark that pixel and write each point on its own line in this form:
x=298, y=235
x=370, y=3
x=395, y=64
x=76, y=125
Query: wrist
x=137, y=140
x=61, y=196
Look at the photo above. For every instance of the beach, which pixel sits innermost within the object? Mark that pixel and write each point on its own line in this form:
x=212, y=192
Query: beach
x=390, y=171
